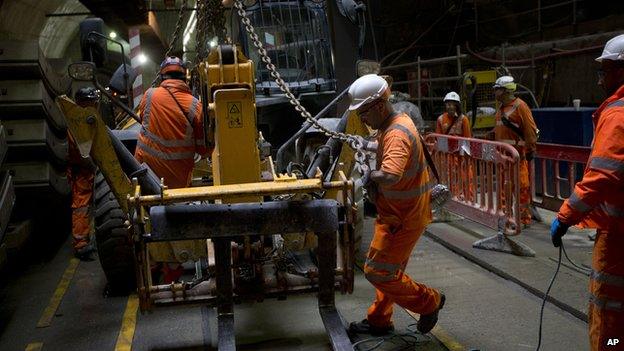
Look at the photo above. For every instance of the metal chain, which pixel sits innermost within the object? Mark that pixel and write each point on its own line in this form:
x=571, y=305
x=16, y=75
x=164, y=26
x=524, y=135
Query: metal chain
x=354, y=141
x=176, y=34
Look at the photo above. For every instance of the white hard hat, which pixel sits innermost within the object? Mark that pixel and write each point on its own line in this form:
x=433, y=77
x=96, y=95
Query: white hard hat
x=452, y=96
x=366, y=89
x=506, y=82
x=613, y=50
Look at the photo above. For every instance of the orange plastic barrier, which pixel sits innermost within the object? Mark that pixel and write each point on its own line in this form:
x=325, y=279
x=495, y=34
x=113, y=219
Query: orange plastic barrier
x=479, y=173
x=548, y=186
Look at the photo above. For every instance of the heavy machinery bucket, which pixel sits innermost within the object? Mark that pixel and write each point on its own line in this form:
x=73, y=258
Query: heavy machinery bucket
x=224, y=223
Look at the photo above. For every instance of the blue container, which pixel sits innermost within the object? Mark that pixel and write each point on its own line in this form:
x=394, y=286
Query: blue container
x=564, y=125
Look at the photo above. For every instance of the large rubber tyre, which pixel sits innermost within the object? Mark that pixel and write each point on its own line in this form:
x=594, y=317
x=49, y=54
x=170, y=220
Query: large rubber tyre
x=114, y=248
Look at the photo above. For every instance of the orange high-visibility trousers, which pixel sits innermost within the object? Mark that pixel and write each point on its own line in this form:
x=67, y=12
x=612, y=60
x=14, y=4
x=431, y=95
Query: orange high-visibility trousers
x=606, y=305
x=387, y=257
x=460, y=178
x=81, y=181
x=525, y=193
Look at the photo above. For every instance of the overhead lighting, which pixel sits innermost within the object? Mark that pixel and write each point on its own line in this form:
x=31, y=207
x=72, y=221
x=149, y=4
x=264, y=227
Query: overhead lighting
x=142, y=58
x=213, y=43
x=112, y=35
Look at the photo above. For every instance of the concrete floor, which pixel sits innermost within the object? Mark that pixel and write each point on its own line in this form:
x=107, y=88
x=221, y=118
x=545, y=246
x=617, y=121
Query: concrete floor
x=483, y=311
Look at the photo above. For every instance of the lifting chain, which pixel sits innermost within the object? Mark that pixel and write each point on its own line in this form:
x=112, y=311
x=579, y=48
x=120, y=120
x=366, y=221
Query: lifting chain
x=174, y=37
x=356, y=142
x=210, y=23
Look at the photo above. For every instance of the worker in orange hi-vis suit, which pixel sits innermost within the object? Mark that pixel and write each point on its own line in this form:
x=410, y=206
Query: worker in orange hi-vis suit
x=515, y=126
x=80, y=173
x=401, y=190
x=598, y=202
x=172, y=127
x=172, y=133
x=454, y=122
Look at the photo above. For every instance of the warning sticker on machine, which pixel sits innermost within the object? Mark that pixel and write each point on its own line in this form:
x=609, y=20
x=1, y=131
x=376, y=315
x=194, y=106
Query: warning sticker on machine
x=234, y=115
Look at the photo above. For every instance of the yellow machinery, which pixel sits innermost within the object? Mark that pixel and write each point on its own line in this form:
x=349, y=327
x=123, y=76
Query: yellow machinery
x=243, y=218
x=481, y=94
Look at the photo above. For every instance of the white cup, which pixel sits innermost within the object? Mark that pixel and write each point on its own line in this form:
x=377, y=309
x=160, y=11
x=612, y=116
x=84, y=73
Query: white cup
x=577, y=104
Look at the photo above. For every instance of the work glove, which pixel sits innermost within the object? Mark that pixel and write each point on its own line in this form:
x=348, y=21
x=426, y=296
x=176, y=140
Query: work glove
x=529, y=156
x=369, y=185
x=557, y=230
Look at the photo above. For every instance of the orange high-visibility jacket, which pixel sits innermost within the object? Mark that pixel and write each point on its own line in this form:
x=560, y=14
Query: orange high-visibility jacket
x=598, y=199
x=400, y=153
x=171, y=134
x=459, y=127
x=519, y=114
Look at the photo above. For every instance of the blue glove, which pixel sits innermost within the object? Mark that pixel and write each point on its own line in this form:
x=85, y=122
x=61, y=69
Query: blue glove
x=557, y=230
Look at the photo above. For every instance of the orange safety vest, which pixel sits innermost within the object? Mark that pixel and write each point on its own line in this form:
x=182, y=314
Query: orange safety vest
x=518, y=114
x=598, y=199
x=459, y=127
x=406, y=202
x=171, y=132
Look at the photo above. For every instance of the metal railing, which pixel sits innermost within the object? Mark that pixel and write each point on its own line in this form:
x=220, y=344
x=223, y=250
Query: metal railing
x=481, y=175
x=421, y=64
x=555, y=171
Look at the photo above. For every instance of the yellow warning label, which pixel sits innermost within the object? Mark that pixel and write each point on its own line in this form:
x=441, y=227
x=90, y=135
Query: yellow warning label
x=235, y=115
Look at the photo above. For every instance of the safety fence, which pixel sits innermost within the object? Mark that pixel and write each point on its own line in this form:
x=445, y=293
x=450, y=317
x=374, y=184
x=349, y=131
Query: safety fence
x=555, y=170
x=483, y=177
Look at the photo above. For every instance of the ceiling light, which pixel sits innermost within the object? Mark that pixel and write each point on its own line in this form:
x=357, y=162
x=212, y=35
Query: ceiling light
x=142, y=58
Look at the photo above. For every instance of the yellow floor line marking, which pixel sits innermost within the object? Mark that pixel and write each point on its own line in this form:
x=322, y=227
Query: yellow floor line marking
x=34, y=346
x=128, y=325
x=442, y=335
x=57, y=297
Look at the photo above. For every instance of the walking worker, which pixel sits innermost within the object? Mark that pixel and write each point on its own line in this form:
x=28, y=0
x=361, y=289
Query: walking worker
x=598, y=202
x=402, y=198
x=515, y=126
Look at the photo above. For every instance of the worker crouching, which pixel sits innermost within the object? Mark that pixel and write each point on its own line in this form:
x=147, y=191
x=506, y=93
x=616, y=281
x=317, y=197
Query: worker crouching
x=401, y=190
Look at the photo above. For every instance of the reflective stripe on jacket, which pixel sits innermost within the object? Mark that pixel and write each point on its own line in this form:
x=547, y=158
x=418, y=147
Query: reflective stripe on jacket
x=598, y=199
x=457, y=127
x=519, y=115
x=171, y=134
x=406, y=202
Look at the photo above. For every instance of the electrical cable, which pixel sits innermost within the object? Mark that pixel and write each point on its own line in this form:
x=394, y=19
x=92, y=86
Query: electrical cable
x=579, y=267
x=552, y=281
x=409, y=339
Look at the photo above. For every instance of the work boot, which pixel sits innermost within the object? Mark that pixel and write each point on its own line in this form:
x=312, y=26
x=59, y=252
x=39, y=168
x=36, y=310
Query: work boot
x=428, y=321
x=364, y=327
x=85, y=253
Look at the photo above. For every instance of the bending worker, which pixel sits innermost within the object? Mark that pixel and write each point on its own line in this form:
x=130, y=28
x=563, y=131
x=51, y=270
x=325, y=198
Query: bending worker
x=454, y=122
x=81, y=172
x=402, y=200
x=515, y=126
x=172, y=133
x=598, y=202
